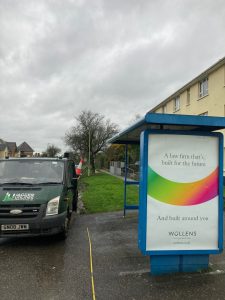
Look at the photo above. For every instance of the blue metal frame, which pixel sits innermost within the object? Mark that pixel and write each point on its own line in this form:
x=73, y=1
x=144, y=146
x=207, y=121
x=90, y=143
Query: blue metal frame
x=187, y=120
x=143, y=194
x=126, y=183
x=173, y=121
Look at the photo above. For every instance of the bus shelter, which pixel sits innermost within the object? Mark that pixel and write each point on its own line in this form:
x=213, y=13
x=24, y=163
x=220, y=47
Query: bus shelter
x=180, y=189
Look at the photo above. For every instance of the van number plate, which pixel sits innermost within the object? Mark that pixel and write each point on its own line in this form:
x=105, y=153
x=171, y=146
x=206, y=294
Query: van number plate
x=11, y=227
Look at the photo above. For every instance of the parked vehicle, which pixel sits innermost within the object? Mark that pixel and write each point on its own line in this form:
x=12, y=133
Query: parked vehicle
x=37, y=196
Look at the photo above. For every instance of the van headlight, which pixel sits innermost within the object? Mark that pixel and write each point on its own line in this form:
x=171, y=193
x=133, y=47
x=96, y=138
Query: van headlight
x=53, y=207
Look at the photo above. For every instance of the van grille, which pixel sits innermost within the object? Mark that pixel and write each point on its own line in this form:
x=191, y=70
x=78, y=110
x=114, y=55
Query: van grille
x=28, y=211
x=22, y=188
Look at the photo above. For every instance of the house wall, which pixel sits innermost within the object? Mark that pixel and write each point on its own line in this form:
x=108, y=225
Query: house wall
x=24, y=154
x=4, y=153
x=213, y=103
x=12, y=154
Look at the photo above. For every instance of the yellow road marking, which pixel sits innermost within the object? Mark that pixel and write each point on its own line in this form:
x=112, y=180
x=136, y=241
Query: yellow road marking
x=91, y=267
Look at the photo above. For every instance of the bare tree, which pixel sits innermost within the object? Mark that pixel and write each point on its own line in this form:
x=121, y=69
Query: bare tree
x=52, y=150
x=89, y=135
x=135, y=118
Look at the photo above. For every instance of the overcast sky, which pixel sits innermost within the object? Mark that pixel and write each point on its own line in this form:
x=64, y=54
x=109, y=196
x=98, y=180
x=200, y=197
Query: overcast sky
x=115, y=57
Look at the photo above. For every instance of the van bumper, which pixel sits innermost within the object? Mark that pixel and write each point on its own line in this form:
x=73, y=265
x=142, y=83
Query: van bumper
x=40, y=226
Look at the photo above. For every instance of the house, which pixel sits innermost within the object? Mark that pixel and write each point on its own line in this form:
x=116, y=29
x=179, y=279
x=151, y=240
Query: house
x=204, y=95
x=12, y=149
x=24, y=150
x=9, y=149
x=3, y=150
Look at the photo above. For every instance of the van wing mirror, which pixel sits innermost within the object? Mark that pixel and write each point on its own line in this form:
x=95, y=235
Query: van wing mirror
x=74, y=181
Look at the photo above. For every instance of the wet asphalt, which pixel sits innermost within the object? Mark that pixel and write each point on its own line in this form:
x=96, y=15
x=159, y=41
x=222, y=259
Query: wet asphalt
x=45, y=268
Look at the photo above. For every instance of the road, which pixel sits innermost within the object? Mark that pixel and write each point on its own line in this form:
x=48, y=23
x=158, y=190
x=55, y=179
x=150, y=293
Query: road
x=44, y=268
x=50, y=269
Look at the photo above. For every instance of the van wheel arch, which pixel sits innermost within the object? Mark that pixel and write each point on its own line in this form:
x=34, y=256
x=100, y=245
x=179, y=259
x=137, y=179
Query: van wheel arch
x=65, y=230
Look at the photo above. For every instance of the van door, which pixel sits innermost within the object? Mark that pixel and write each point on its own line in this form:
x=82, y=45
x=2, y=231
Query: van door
x=70, y=173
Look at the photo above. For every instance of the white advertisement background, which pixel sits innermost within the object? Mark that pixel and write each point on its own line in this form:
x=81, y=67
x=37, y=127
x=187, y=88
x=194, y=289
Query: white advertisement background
x=162, y=145
x=158, y=237
x=163, y=218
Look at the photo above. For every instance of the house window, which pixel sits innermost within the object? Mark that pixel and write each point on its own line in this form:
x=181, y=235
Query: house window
x=204, y=114
x=164, y=109
x=177, y=103
x=203, y=87
x=188, y=96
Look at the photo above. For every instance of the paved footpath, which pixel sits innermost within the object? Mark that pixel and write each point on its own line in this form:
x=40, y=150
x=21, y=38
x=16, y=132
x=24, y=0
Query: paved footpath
x=122, y=272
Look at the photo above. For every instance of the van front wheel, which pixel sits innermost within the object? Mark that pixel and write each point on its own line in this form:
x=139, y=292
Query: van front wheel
x=64, y=233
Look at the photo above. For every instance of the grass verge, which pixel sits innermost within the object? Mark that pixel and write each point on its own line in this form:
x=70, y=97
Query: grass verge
x=103, y=193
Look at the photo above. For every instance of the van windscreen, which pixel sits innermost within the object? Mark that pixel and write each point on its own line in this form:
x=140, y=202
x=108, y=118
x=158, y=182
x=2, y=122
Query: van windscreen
x=31, y=171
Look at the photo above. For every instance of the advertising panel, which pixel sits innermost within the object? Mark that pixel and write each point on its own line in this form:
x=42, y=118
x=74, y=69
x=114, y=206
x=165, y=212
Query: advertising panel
x=182, y=192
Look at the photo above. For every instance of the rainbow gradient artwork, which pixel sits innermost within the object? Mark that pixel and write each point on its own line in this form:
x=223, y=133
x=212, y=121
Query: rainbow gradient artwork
x=182, y=194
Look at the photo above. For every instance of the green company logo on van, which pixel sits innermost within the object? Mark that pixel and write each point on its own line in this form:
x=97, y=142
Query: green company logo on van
x=7, y=197
x=21, y=196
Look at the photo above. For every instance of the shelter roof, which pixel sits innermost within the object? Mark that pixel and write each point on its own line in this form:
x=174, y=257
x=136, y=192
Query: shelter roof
x=131, y=135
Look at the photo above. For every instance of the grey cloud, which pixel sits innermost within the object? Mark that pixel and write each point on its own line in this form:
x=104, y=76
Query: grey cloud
x=118, y=58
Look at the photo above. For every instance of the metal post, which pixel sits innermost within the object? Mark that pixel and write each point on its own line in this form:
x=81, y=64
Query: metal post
x=89, y=152
x=125, y=181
